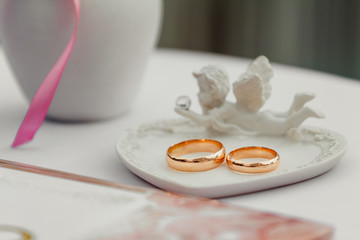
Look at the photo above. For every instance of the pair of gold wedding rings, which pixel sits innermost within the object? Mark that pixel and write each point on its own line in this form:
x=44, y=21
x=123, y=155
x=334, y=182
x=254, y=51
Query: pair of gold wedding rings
x=213, y=155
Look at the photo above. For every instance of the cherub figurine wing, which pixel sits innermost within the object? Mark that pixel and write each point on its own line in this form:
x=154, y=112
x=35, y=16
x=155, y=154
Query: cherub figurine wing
x=253, y=88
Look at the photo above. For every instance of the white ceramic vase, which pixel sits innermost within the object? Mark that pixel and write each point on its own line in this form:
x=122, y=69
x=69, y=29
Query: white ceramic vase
x=114, y=41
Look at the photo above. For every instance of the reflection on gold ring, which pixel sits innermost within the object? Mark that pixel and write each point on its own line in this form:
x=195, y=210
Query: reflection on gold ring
x=12, y=232
x=215, y=155
x=235, y=160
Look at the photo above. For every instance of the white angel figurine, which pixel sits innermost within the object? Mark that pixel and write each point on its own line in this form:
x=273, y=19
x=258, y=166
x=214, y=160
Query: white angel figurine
x=251, y=90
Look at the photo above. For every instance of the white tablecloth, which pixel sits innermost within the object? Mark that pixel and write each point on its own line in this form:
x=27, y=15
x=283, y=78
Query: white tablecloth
x=88, y=148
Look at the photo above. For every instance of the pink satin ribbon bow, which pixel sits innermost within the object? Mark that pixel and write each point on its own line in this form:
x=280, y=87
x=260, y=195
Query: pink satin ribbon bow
x=42, y=99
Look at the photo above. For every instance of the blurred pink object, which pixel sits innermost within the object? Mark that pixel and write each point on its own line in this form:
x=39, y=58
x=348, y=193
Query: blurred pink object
x=180, y=217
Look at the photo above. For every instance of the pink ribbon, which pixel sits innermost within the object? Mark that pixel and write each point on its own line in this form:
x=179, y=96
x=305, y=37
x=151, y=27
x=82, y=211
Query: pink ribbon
x=42, y=99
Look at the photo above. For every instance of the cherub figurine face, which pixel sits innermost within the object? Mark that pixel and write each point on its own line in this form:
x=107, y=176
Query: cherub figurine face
x=214, y=86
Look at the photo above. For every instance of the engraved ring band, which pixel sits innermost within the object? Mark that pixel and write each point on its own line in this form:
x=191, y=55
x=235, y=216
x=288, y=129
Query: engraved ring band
x=212, y=155
x=263, y=160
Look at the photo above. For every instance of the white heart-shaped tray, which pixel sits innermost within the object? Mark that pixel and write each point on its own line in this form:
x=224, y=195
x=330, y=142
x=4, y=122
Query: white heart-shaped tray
x=143, y=150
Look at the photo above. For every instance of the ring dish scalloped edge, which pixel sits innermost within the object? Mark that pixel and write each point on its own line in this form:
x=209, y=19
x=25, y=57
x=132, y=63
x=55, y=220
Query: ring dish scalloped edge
x=143, y=150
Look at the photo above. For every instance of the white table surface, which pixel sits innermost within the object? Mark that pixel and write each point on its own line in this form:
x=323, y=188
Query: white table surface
x=88, y=148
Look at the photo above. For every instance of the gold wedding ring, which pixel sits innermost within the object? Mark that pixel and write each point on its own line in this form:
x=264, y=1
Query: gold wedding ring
x=269, y=160
x=212, y=155
x=15, y=233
